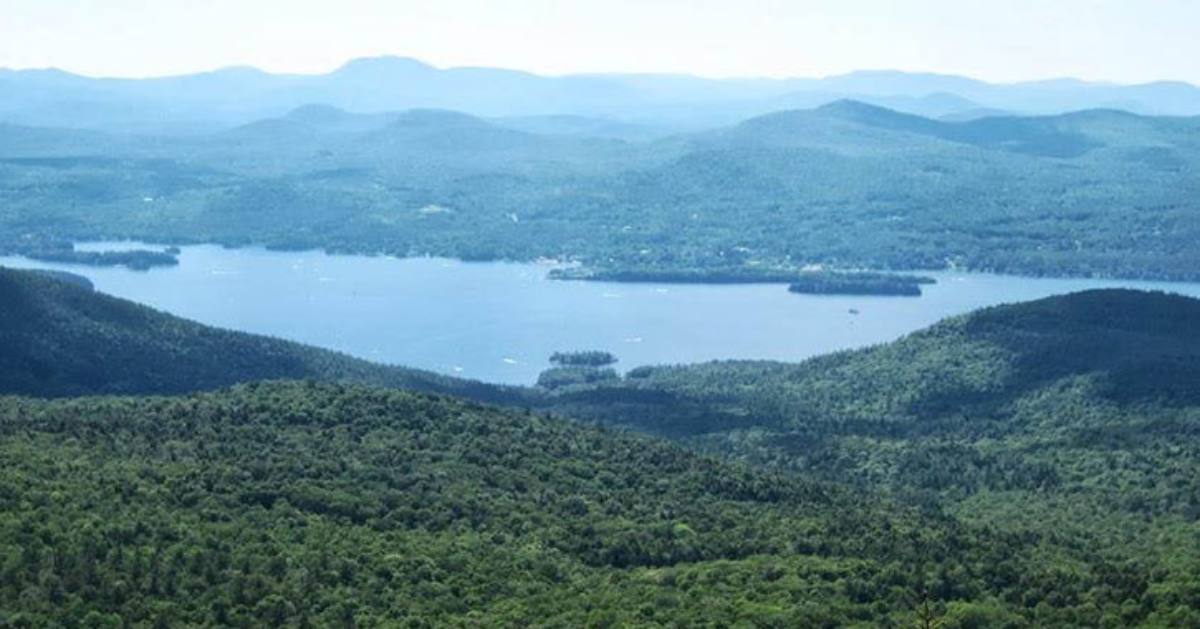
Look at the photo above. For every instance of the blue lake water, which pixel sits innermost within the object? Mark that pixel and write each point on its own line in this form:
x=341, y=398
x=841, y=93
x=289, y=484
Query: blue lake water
x=500, y=321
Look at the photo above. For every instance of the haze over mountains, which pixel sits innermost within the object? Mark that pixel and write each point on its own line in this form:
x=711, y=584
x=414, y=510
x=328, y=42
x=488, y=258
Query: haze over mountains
x=233, y=96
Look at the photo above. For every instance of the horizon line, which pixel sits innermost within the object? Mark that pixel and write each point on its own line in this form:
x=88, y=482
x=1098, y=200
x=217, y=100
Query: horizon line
x=607, y=73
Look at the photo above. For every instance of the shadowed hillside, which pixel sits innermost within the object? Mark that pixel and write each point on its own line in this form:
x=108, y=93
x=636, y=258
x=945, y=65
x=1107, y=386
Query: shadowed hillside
x=59, y=338
x=1125, y=349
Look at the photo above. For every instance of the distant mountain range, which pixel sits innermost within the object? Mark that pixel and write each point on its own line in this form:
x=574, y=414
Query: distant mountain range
x=233, y=96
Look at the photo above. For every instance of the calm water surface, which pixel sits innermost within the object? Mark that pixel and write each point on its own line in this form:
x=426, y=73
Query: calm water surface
x=500, y=321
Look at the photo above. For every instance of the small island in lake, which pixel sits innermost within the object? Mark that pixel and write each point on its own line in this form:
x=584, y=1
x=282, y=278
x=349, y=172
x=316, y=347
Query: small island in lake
x=137, y=260
x=880, y=284
x=578, y=368
x=589, y=358
x=65, y=252
x=729, y=275
x=811, y=282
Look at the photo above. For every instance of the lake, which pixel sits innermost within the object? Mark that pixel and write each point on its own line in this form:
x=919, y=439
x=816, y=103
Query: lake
x=500, y=322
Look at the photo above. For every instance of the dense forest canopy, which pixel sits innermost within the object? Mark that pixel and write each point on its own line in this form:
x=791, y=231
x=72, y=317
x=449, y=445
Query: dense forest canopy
x=847, y=185
x=1075, y=416
x=327, y=505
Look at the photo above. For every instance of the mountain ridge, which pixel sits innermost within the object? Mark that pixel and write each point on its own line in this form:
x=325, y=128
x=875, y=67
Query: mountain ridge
x=228, y=97
x=386, y=61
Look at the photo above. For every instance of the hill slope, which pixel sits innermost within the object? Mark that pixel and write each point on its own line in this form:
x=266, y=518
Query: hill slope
x=1093, y=193
x=61, y=339
x=1077, y=414
x=330, y=505
x=1068, y=368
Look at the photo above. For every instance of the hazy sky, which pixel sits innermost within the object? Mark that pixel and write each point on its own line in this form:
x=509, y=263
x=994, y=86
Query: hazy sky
x=1004, y=40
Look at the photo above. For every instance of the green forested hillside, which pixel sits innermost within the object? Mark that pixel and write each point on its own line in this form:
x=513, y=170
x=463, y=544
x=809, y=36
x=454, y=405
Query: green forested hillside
x=328, y=505
x=61, y=339
x=846, y=185
x=1130, y=348
x=1031, y=396
x=1074, y=417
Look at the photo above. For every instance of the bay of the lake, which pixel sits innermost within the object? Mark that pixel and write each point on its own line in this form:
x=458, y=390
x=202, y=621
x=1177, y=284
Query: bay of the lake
x=500, y=321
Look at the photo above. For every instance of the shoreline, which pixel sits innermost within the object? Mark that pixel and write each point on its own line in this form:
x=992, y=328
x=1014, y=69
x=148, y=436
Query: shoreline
x=583, y=272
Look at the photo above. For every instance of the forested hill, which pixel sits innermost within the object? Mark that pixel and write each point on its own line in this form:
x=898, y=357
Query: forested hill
x=1117, y=348
x=1096, y=368
x=847, y=185
x=1075, y=417
x=294, y=504
x=59, y=338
